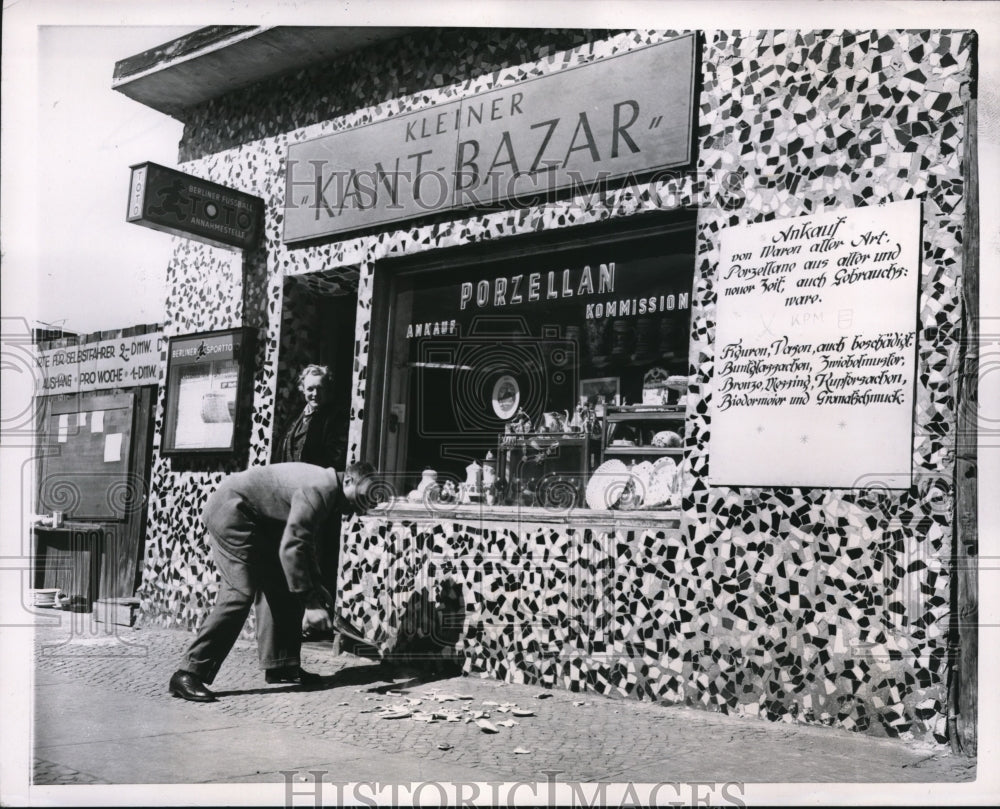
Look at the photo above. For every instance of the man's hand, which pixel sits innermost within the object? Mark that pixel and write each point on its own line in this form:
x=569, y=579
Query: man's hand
x=316, y=620
x=316, y=616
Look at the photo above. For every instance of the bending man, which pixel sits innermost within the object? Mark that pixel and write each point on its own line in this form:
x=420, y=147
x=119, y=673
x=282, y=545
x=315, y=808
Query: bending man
x=266, y=526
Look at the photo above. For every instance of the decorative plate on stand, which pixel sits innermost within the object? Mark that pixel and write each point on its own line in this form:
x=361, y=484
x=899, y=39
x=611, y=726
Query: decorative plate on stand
x=506, y=396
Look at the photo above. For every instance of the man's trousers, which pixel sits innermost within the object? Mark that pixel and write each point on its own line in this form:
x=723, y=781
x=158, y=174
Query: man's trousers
x=257, y=581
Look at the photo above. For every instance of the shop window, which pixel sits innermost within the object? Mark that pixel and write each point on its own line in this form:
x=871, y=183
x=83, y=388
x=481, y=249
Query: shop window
x=500, y=358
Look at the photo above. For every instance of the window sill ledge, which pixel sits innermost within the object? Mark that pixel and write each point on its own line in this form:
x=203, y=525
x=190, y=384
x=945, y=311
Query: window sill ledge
x=576, y=517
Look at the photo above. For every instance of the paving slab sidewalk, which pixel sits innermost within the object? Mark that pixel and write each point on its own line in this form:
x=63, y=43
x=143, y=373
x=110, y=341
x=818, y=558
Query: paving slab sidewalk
x=102, y=714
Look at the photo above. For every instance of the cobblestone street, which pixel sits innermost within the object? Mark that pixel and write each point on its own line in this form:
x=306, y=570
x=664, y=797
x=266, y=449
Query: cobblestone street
x=103, y=715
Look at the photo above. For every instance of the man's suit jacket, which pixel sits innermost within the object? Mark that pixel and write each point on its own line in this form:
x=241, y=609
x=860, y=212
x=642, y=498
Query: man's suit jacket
x=296, y=499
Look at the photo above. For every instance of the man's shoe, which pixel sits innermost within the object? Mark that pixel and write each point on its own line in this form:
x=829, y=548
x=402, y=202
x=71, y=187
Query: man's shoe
x=291, y=674
x=189, y=686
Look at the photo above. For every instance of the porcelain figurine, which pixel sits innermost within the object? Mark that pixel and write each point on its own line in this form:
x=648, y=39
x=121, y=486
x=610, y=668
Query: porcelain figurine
x=427, y=486
x=489, y=471
x=519, y=424
x=554, y=422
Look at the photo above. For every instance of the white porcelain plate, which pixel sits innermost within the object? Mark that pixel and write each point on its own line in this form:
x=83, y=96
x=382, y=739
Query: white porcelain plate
x=607, y=485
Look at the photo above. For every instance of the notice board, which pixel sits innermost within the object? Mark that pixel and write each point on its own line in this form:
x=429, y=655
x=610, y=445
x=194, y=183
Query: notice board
x=816, y=350
x=85, y=468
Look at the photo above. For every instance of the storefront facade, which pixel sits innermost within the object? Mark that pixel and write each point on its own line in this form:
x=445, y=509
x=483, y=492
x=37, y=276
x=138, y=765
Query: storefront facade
x=814, y=603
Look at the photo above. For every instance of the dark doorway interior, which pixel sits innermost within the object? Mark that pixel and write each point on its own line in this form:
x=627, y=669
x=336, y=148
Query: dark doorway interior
x=318, y=318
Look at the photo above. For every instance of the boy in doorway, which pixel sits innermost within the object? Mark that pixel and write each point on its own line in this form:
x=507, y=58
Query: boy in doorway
x=316, y=436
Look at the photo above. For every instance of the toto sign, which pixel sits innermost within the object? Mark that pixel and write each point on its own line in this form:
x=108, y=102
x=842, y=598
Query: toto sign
x=175, y=202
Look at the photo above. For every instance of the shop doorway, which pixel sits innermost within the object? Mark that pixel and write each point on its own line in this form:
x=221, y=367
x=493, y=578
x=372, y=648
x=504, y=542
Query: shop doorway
x=317, y=328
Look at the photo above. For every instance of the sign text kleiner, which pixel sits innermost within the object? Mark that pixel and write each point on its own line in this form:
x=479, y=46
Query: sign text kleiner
x=122, y=362
x=815, y=350
x=175, y=202
x=624, y=115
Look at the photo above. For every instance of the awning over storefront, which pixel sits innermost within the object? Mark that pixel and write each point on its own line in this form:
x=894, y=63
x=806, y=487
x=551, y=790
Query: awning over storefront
x=217, y=59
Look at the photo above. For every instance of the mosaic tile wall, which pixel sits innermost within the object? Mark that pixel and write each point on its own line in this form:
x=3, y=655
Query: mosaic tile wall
x=424, y=61
x=816, y=605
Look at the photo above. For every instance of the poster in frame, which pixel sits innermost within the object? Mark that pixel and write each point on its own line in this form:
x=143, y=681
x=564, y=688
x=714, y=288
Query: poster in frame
x=208, y=376
x=600, y=392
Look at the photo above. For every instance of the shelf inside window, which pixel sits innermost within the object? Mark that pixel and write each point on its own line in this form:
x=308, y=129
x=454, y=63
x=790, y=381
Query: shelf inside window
x=656, y=451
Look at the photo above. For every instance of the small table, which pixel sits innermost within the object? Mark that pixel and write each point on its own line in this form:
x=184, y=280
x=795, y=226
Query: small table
x=68, y=557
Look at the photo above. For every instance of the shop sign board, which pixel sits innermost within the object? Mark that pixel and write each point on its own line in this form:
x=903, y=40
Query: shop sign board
x=178, y=203
x=815, y=350
x=121, y=362
x=626, y=115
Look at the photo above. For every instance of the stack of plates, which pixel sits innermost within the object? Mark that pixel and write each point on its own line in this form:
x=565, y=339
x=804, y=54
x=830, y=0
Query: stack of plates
x=642, y=474
x=45, y=597
x=661, y=483
x=683, y=479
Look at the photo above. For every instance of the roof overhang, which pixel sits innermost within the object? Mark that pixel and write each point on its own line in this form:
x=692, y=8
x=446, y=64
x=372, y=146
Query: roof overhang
x=212, y=61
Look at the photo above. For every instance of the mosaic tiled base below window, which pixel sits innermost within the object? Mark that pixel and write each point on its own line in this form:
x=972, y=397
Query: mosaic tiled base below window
x=819, y=605
x=744, y=623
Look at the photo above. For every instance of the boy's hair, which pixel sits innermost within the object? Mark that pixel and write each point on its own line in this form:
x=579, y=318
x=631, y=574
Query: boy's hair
x=314, y=370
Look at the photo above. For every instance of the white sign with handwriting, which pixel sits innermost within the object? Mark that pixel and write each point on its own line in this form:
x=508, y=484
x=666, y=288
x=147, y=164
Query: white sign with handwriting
x=119, y=362
x=816, y=350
